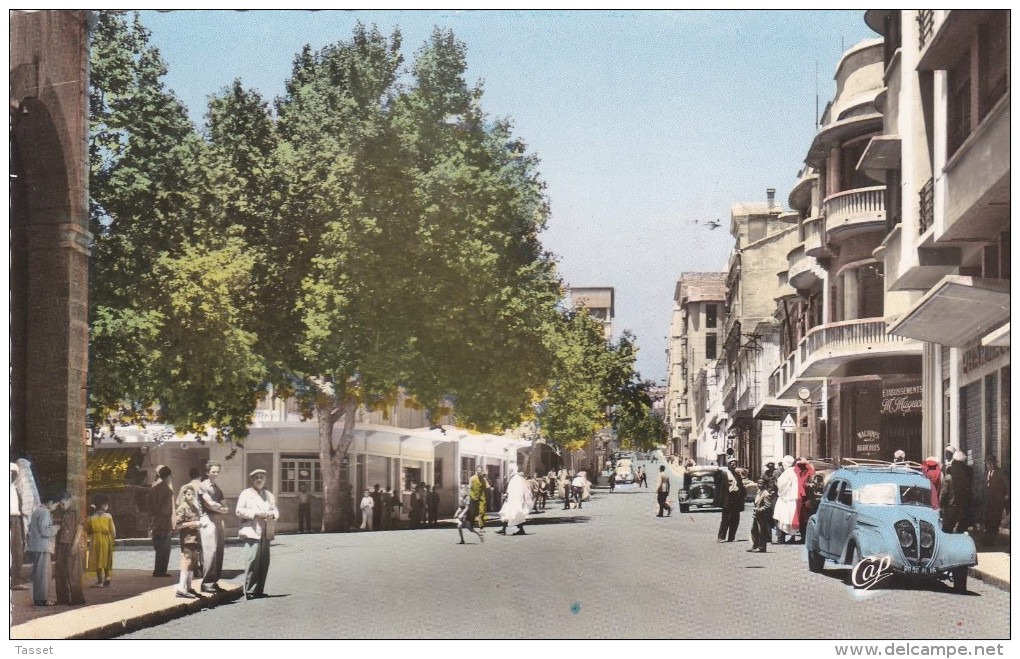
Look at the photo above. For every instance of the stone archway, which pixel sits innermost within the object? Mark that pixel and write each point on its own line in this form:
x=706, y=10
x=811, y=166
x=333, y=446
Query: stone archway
x=49, y=245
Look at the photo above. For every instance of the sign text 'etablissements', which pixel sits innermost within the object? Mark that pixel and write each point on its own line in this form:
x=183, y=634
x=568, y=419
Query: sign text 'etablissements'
x=901, y=401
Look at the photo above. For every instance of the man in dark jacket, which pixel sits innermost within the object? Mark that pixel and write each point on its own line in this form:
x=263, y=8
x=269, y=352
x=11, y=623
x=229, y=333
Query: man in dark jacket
x=956, y=494
x=996, y=498
x=161, y=511
x=733, y=503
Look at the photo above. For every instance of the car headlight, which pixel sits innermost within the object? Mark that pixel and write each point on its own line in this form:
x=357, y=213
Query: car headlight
x=927, y=541
x=907, y=536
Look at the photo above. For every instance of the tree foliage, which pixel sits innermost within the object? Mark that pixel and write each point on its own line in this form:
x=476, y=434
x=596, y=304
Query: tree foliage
x=374, y=231
x=168, y=285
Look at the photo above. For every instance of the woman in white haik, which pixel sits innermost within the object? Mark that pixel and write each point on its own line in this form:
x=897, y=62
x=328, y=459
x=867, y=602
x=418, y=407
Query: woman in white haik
x=256, y=507
x=518, y=502
x=785, y=512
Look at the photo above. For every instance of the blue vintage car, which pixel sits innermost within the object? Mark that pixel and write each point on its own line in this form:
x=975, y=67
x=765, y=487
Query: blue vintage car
x=883, y=513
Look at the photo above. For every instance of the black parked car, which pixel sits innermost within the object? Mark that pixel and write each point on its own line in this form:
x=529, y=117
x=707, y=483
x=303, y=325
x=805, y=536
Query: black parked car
x=703, y=488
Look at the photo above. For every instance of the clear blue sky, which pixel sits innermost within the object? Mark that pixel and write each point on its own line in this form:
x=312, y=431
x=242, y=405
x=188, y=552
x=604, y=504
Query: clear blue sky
x=643, y=121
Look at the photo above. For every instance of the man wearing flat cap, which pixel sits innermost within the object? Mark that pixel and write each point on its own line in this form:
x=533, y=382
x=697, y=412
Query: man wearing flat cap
x=256, y=508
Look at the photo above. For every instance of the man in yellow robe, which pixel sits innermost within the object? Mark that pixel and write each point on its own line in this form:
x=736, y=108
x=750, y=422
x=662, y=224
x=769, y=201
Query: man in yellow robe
x=477, y=492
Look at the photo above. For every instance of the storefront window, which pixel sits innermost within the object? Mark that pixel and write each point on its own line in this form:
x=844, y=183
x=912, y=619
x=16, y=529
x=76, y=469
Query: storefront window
x=295, y=470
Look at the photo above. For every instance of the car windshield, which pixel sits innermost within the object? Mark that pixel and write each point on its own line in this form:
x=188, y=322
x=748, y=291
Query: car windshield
x=702, y=479
x=884, y=494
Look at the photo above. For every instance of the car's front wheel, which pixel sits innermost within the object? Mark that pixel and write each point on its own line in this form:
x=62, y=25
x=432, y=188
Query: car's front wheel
x=815, y=561
x=960, y=579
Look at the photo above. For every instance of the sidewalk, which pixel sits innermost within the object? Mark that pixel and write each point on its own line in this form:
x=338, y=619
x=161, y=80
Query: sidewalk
x=993, y=562
x=134, y=600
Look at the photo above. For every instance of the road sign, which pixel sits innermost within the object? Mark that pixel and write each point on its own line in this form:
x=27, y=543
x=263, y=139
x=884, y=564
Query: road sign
x=788, y=424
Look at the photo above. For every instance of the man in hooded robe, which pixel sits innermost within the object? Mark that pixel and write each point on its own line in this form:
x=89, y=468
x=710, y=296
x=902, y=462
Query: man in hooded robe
x=786, y=501
x=805, y=494
x=518, y=502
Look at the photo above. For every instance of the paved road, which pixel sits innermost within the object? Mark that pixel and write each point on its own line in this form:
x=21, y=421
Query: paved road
x=609, y=570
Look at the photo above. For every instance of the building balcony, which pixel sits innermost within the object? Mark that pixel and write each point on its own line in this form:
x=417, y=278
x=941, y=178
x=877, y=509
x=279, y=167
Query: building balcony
x=976, y=182
x=854, y=211
x=804, y=271
x=827, y=350
x=814, y=237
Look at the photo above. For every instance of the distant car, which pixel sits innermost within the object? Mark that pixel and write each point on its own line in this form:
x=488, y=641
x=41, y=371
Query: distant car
x=624, y=472
x=702, y=488
x=884, y=511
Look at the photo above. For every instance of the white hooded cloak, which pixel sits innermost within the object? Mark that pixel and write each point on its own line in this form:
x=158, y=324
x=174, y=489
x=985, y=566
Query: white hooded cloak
x=519, y=499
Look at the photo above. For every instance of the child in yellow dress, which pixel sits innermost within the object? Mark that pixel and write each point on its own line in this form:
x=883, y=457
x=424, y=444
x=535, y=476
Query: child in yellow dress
x=102, y=533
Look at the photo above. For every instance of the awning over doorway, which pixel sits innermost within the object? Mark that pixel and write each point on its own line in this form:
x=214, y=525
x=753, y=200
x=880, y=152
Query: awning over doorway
x=774, y=409
x=107, y=469
x=956, y=311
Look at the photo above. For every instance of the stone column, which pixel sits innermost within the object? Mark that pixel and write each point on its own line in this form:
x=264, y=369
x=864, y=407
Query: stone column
x=50, y=244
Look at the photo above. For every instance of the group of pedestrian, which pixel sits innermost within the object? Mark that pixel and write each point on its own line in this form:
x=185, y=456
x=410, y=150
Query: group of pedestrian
x=46, y=527
x=379, y=508
x=197, y=514
x=782, y=503
x=955, y=490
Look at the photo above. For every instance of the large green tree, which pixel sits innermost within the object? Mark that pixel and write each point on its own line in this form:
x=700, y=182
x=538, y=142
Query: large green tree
x=416, y=262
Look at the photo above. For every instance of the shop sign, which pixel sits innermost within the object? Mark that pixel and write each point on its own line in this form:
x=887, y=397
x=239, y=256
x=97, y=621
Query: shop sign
x=979, y=356
x=901, y=401
x=868, y=442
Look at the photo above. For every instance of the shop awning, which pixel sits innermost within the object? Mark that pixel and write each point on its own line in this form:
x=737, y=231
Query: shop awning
x=107, y=469
x=956, y=311
x=774, y=409
x=998, y=338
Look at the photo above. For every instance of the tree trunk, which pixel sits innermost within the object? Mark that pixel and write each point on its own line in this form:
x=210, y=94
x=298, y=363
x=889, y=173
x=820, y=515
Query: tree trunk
x=329, y=410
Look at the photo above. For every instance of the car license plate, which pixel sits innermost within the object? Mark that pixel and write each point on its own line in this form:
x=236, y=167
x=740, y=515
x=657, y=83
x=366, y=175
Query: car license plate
x=917, y=569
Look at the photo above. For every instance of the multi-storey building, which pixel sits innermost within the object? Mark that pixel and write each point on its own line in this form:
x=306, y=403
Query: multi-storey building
x=840, y=367
x=944, y=153
x=600, y=303
x=764, y=233
x=694, y=346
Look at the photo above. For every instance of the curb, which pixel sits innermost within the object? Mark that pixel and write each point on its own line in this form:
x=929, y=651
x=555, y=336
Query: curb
x=153, y=618
x=155, y=610
x=996, y=582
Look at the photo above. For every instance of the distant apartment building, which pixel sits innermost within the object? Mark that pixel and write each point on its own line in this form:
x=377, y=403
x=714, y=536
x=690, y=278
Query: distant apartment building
x=600, y=303
x=694, y=346
x=943, y=152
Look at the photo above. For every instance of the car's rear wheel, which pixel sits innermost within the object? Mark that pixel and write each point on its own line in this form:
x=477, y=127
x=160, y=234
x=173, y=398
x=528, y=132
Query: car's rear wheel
x=960, y=579
x=815, y=561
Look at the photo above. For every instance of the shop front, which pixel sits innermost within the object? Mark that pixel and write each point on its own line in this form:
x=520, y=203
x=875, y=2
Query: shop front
x=872, y=417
